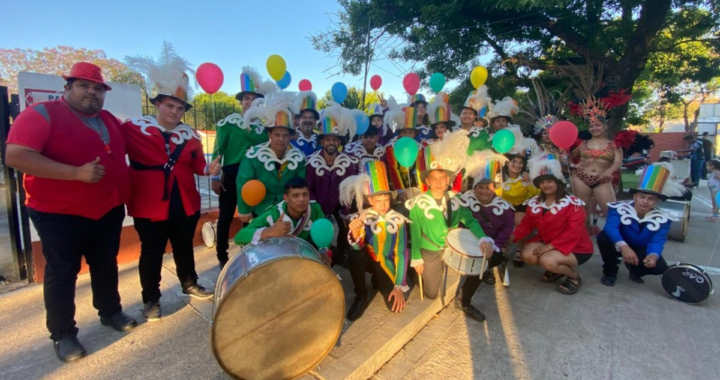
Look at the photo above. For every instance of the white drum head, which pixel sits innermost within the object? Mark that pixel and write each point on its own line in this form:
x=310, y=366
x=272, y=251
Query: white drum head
x=462, y=240
x=208, y=234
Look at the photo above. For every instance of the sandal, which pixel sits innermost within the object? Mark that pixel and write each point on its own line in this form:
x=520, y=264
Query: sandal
x=550, y=277
x=711, y=219
x=568, y=287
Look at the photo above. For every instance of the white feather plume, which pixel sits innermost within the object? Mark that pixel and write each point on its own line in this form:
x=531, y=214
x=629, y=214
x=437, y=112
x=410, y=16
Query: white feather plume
x=354, y=189
x=349, y=122
x=164, y=75
x=478, y=160
x=302, y=96
x=451, y=151
x=265, y=87
x=505, y=107
x=538, y=163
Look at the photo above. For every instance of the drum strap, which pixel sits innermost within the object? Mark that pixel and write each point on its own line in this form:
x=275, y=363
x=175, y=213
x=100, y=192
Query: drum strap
x=448, y=206
x=302, y=223
x=439, y=248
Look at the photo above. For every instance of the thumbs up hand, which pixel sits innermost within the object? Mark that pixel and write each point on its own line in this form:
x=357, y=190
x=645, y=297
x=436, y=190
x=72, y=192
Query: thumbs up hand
x=215, y=166
x=281, y=227
x=91, y=172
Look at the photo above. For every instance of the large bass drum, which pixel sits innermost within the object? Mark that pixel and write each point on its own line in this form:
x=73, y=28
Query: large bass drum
x=278, y=311
x=681, y=211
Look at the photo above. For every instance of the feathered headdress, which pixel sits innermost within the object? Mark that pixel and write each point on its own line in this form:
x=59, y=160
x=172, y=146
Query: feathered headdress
x=543, y=167
x=307, y=101
x=252, y=82
x=338, y=121
x=479, y=101
x=439, y=110
x=166, y=76
x=276, y=112
x=394, y=117
x=593, y=99
x=506, y=107
x=545, y=109
x=524, y=146
x=484, y=165
x=450, y=153
x=372, y=181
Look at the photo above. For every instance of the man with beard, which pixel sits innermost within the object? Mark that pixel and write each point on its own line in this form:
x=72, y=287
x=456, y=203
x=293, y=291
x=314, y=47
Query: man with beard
x=367, y=148
x=235, y=136
x=327, y=168
x=273, y=163
x=76, y=179
x=306, y=140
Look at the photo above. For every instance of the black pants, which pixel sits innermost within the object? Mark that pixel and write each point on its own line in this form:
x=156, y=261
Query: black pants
x=228, y=204
x=359, y=263
x=473, y=282
x=611, y=259
x=342, y=242
x=65, y=240
x=179, y=229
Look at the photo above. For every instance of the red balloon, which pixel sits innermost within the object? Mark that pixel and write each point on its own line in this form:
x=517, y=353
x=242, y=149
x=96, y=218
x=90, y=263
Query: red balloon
x=305, y=85
x=210, y=77
x=375, y=82
x=563, y=134
x=411, y=83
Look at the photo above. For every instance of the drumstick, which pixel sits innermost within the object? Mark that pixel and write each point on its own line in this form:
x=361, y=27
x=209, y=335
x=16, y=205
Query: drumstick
x=421, y=287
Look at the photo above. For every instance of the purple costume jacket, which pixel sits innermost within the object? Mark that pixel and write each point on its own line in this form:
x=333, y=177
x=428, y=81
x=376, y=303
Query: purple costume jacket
x=499, y=220
x=357, y=150
x=324, y=182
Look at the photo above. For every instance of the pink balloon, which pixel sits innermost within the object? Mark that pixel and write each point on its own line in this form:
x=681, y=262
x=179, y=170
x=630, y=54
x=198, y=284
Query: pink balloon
x=563, y=134
x=305, y=85
x=411, y=83
x=375, y=82
x=210, y=77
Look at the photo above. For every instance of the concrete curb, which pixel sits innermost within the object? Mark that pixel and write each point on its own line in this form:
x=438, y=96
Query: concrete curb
x=368, y=356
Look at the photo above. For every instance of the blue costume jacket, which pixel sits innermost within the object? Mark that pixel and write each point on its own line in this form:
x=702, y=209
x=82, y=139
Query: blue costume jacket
x=624, y=225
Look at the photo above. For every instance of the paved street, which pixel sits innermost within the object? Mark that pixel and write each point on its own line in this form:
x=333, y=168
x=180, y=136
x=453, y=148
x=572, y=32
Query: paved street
x=630, y=331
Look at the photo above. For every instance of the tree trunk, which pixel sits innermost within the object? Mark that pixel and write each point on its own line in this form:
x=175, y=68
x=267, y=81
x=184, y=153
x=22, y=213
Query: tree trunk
x=686, y=117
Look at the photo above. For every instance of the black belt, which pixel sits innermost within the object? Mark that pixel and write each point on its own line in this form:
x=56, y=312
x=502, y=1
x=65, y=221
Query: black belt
x=166, y=169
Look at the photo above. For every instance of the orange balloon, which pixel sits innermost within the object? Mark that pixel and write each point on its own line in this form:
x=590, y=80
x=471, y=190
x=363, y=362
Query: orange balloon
x=253, y=192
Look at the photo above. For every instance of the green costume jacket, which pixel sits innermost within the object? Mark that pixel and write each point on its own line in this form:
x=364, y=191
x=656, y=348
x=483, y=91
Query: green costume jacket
x=251, y=233
x=261, y=163
x=233, y=139
x=479, y=140
x=429, y=227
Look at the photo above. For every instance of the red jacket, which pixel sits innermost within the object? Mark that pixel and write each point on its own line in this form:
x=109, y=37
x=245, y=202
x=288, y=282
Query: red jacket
x=563, y=225
x=146, y=147
x=60, y=135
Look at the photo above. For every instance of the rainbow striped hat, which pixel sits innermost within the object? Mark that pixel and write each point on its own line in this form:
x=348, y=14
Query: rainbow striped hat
x=657, y=179
x=375, y=109
x=439, y=111
x=378, y=178
x=252, y=83
x=307, y=101
x=411, y=118
x=418, y=98
x=373, y=181
x=427, y=161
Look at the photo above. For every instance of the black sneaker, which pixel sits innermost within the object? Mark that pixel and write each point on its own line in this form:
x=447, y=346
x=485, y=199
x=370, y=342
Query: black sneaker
x=608, y=281
x=358, y=308
x=152, y=311
x=68, y=349
x=471, y=312
x=489, y=277
x=198, y=291
x=636, y=279
x=119, y=321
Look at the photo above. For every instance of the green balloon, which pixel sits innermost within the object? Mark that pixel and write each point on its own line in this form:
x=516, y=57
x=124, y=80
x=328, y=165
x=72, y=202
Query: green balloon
x=321, y=233
x=503, y=141
x=437, y=82
x=406, y=151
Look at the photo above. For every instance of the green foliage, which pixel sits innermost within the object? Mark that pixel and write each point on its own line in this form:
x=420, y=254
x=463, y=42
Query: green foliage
x=354, y=99
x=209, y=109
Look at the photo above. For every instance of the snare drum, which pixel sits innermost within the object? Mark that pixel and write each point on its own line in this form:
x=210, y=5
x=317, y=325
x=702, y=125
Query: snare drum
x=278, y=311
x=463, y=252
x=687, y=283
x=681, y=211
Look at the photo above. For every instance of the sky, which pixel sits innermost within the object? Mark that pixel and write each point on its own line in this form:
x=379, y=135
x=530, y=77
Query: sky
x=231, y=34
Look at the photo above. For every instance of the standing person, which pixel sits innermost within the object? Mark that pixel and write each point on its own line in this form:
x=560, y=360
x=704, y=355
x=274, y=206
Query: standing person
x=377, y=118
x=272, y=163
x=475, y=108
x=636, y=230
x=697, y=157
x=501, y=114
x=424, y=132
x=378, y=237
x=440, y=117
x=495, y=215
x=367, y=148
x=401, y=178
x=713, y=170
x=708, y=152
x=328, y=167
x=76, y=180
x=164, y=155
x=562, y=242
x=306, y=140
x=235, y=135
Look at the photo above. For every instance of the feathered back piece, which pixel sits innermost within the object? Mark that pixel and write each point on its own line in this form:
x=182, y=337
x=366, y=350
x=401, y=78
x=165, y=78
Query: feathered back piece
x=484, y=164
x=545, y=109
x=451, y=151
x=165, y=76
x=593, y=99
x=394, y=117
x=541, y=165
x=480, y=101
x=506, y=107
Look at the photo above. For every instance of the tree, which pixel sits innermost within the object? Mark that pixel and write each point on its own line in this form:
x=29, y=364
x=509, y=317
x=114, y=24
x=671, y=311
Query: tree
x=209, y=109
x=58, y=61
x=354, y=99
x=451, y=36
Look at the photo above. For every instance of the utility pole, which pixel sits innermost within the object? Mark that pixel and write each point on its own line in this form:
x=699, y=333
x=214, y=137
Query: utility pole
x=367, y=65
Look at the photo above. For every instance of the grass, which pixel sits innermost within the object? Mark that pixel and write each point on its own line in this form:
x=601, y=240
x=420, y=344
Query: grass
x=630, y=180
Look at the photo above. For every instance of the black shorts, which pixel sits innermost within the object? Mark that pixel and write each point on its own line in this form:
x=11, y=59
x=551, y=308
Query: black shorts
x=582, y=258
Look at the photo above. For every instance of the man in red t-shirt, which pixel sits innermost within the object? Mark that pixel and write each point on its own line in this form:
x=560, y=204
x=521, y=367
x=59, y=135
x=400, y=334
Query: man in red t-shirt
x=76, y=179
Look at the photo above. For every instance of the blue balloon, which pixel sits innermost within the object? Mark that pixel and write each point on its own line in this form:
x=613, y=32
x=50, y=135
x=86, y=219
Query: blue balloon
x=363, y=122
x=339, y=92
x=717, y=198
x=284, y=82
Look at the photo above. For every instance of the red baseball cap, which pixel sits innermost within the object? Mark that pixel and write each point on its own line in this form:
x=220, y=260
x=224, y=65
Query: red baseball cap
x=87, y=71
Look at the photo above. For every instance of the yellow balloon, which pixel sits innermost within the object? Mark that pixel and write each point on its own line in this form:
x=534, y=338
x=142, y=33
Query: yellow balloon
x=478, y=76
x=276, y=67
